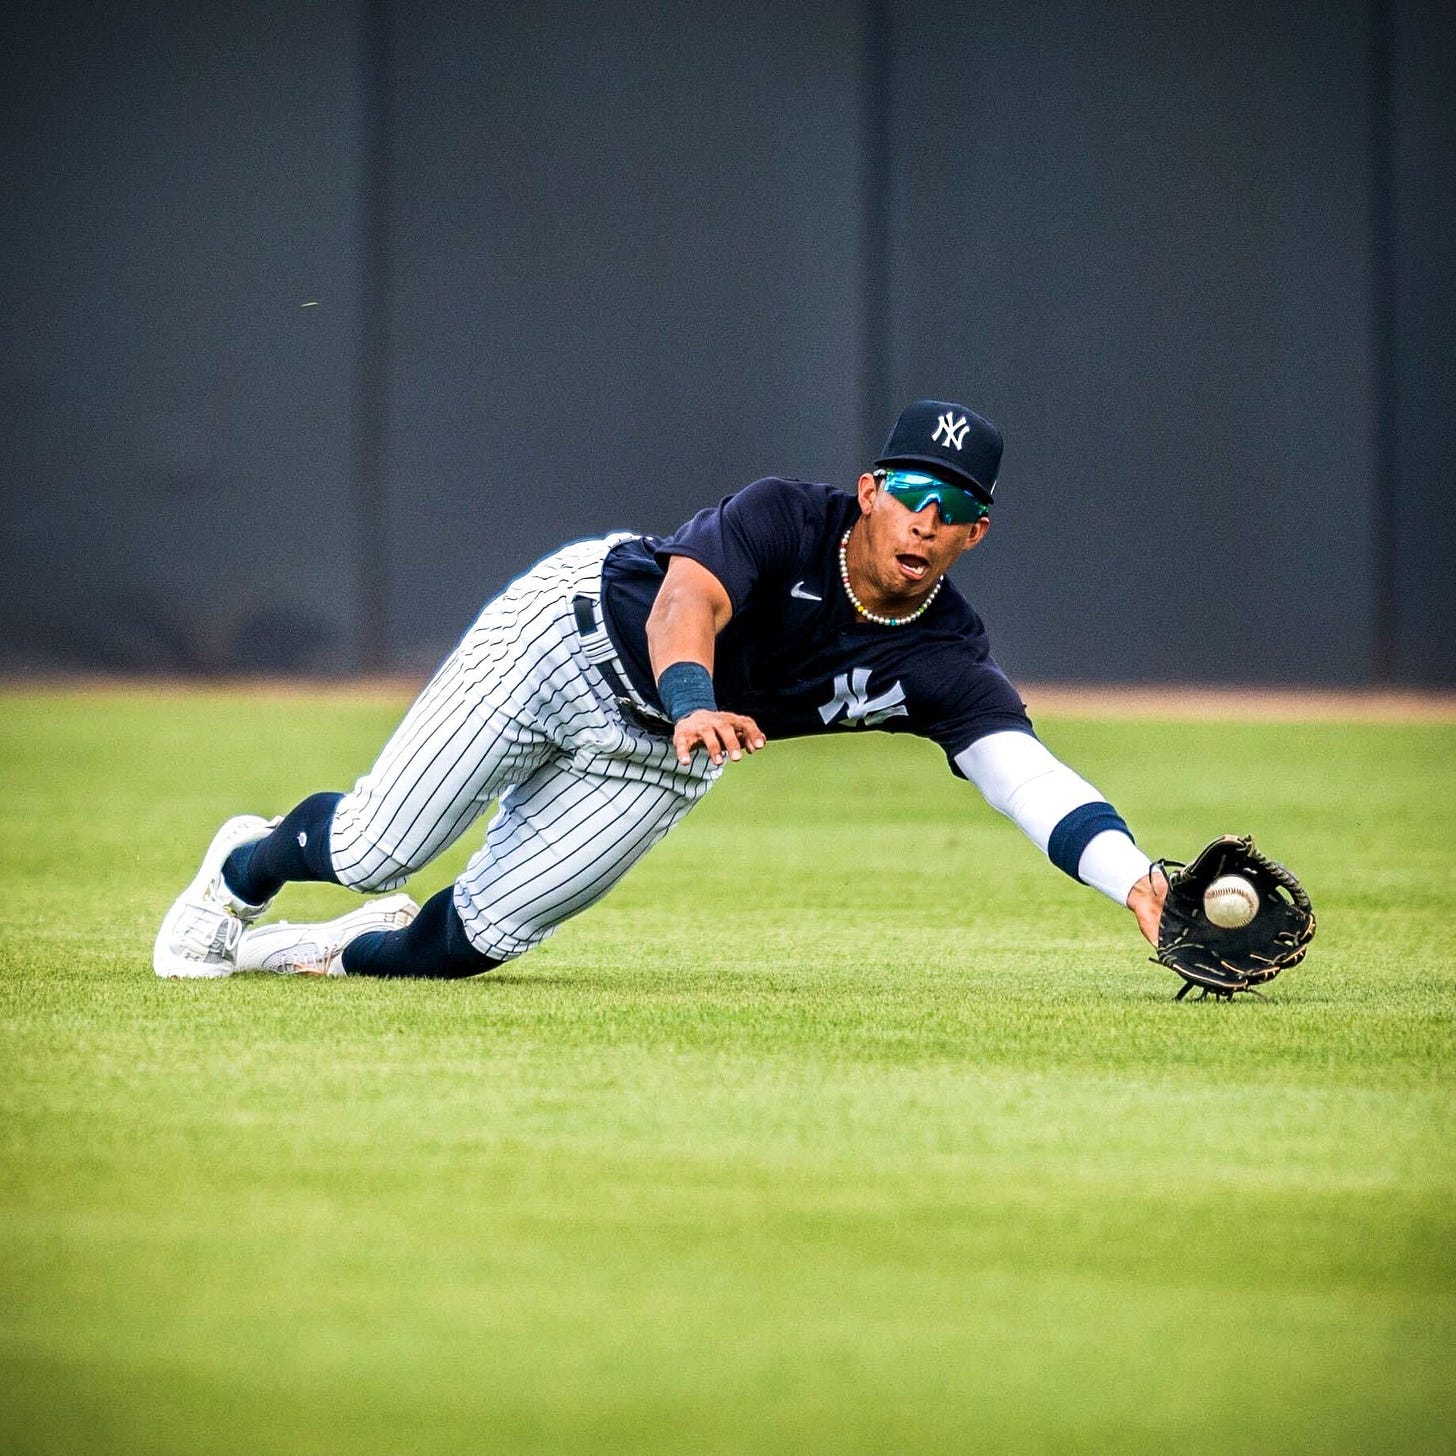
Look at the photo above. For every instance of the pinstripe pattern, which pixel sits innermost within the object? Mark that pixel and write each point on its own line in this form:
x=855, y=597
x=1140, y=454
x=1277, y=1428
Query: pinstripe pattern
x=554, y=848
x=517, y=713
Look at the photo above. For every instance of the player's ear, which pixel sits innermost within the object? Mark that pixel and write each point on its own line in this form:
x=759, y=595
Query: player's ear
x=978, y=532
x=867, y=490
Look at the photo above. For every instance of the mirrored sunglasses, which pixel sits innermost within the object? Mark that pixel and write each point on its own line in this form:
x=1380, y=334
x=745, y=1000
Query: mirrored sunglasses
x=957, y=507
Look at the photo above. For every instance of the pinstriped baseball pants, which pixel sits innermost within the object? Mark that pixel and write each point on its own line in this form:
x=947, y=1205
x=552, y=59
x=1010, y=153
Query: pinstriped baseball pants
x=516, y=714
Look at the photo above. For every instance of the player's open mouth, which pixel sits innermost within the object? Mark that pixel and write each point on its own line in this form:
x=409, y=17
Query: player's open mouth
x=914, y=567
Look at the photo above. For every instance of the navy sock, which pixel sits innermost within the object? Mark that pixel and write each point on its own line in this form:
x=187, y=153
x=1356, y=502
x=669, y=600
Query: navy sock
x=434, y=944
x=298, y=849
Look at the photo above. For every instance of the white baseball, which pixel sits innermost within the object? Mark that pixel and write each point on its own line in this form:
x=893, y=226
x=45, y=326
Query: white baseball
x=1230, y=902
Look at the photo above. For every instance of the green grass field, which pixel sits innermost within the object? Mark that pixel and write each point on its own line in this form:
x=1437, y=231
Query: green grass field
x=844, y=1124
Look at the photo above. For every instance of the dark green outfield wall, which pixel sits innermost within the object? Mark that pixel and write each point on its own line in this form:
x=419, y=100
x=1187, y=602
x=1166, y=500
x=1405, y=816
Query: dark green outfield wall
x=1197, y=260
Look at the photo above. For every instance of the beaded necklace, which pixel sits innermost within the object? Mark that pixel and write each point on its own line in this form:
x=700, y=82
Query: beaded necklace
x=863, y=610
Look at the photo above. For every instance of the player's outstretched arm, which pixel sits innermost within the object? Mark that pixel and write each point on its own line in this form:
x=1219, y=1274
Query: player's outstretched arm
x=692, y=607
x=1068, y=820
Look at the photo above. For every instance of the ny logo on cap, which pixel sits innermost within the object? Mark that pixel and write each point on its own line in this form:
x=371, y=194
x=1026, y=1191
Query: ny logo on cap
x=954, y=431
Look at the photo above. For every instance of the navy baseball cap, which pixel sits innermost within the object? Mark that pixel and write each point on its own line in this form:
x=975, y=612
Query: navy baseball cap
x=951, y=442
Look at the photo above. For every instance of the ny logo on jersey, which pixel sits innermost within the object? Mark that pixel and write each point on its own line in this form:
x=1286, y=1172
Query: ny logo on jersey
x=849, y=697
x=953, y=431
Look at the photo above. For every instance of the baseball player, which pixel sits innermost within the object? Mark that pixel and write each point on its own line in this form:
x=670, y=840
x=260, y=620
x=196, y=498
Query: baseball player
x=600, y=695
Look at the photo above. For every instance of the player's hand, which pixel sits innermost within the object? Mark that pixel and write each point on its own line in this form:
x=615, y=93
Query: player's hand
x=720, y=735
x=1145, y=900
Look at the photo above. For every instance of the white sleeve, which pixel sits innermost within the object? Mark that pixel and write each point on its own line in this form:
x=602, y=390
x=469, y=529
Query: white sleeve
x=1021, y=779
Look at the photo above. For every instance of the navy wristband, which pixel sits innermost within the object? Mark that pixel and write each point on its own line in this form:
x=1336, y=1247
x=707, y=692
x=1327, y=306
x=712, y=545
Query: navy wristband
x=1077, y=830
x=684, y=687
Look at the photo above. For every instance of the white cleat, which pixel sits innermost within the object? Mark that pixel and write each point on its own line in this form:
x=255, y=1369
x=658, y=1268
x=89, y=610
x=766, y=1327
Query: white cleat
x=200, y=933
x=317, y=950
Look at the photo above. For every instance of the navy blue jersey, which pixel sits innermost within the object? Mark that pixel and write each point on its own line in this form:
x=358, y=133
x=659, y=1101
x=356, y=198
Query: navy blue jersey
x=796, y=657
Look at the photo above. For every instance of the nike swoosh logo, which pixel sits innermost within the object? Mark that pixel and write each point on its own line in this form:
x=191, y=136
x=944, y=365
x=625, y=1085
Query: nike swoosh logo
x=797, y=590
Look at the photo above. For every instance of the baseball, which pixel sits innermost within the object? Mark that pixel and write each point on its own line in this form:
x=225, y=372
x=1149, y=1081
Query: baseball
x=1230, y=902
